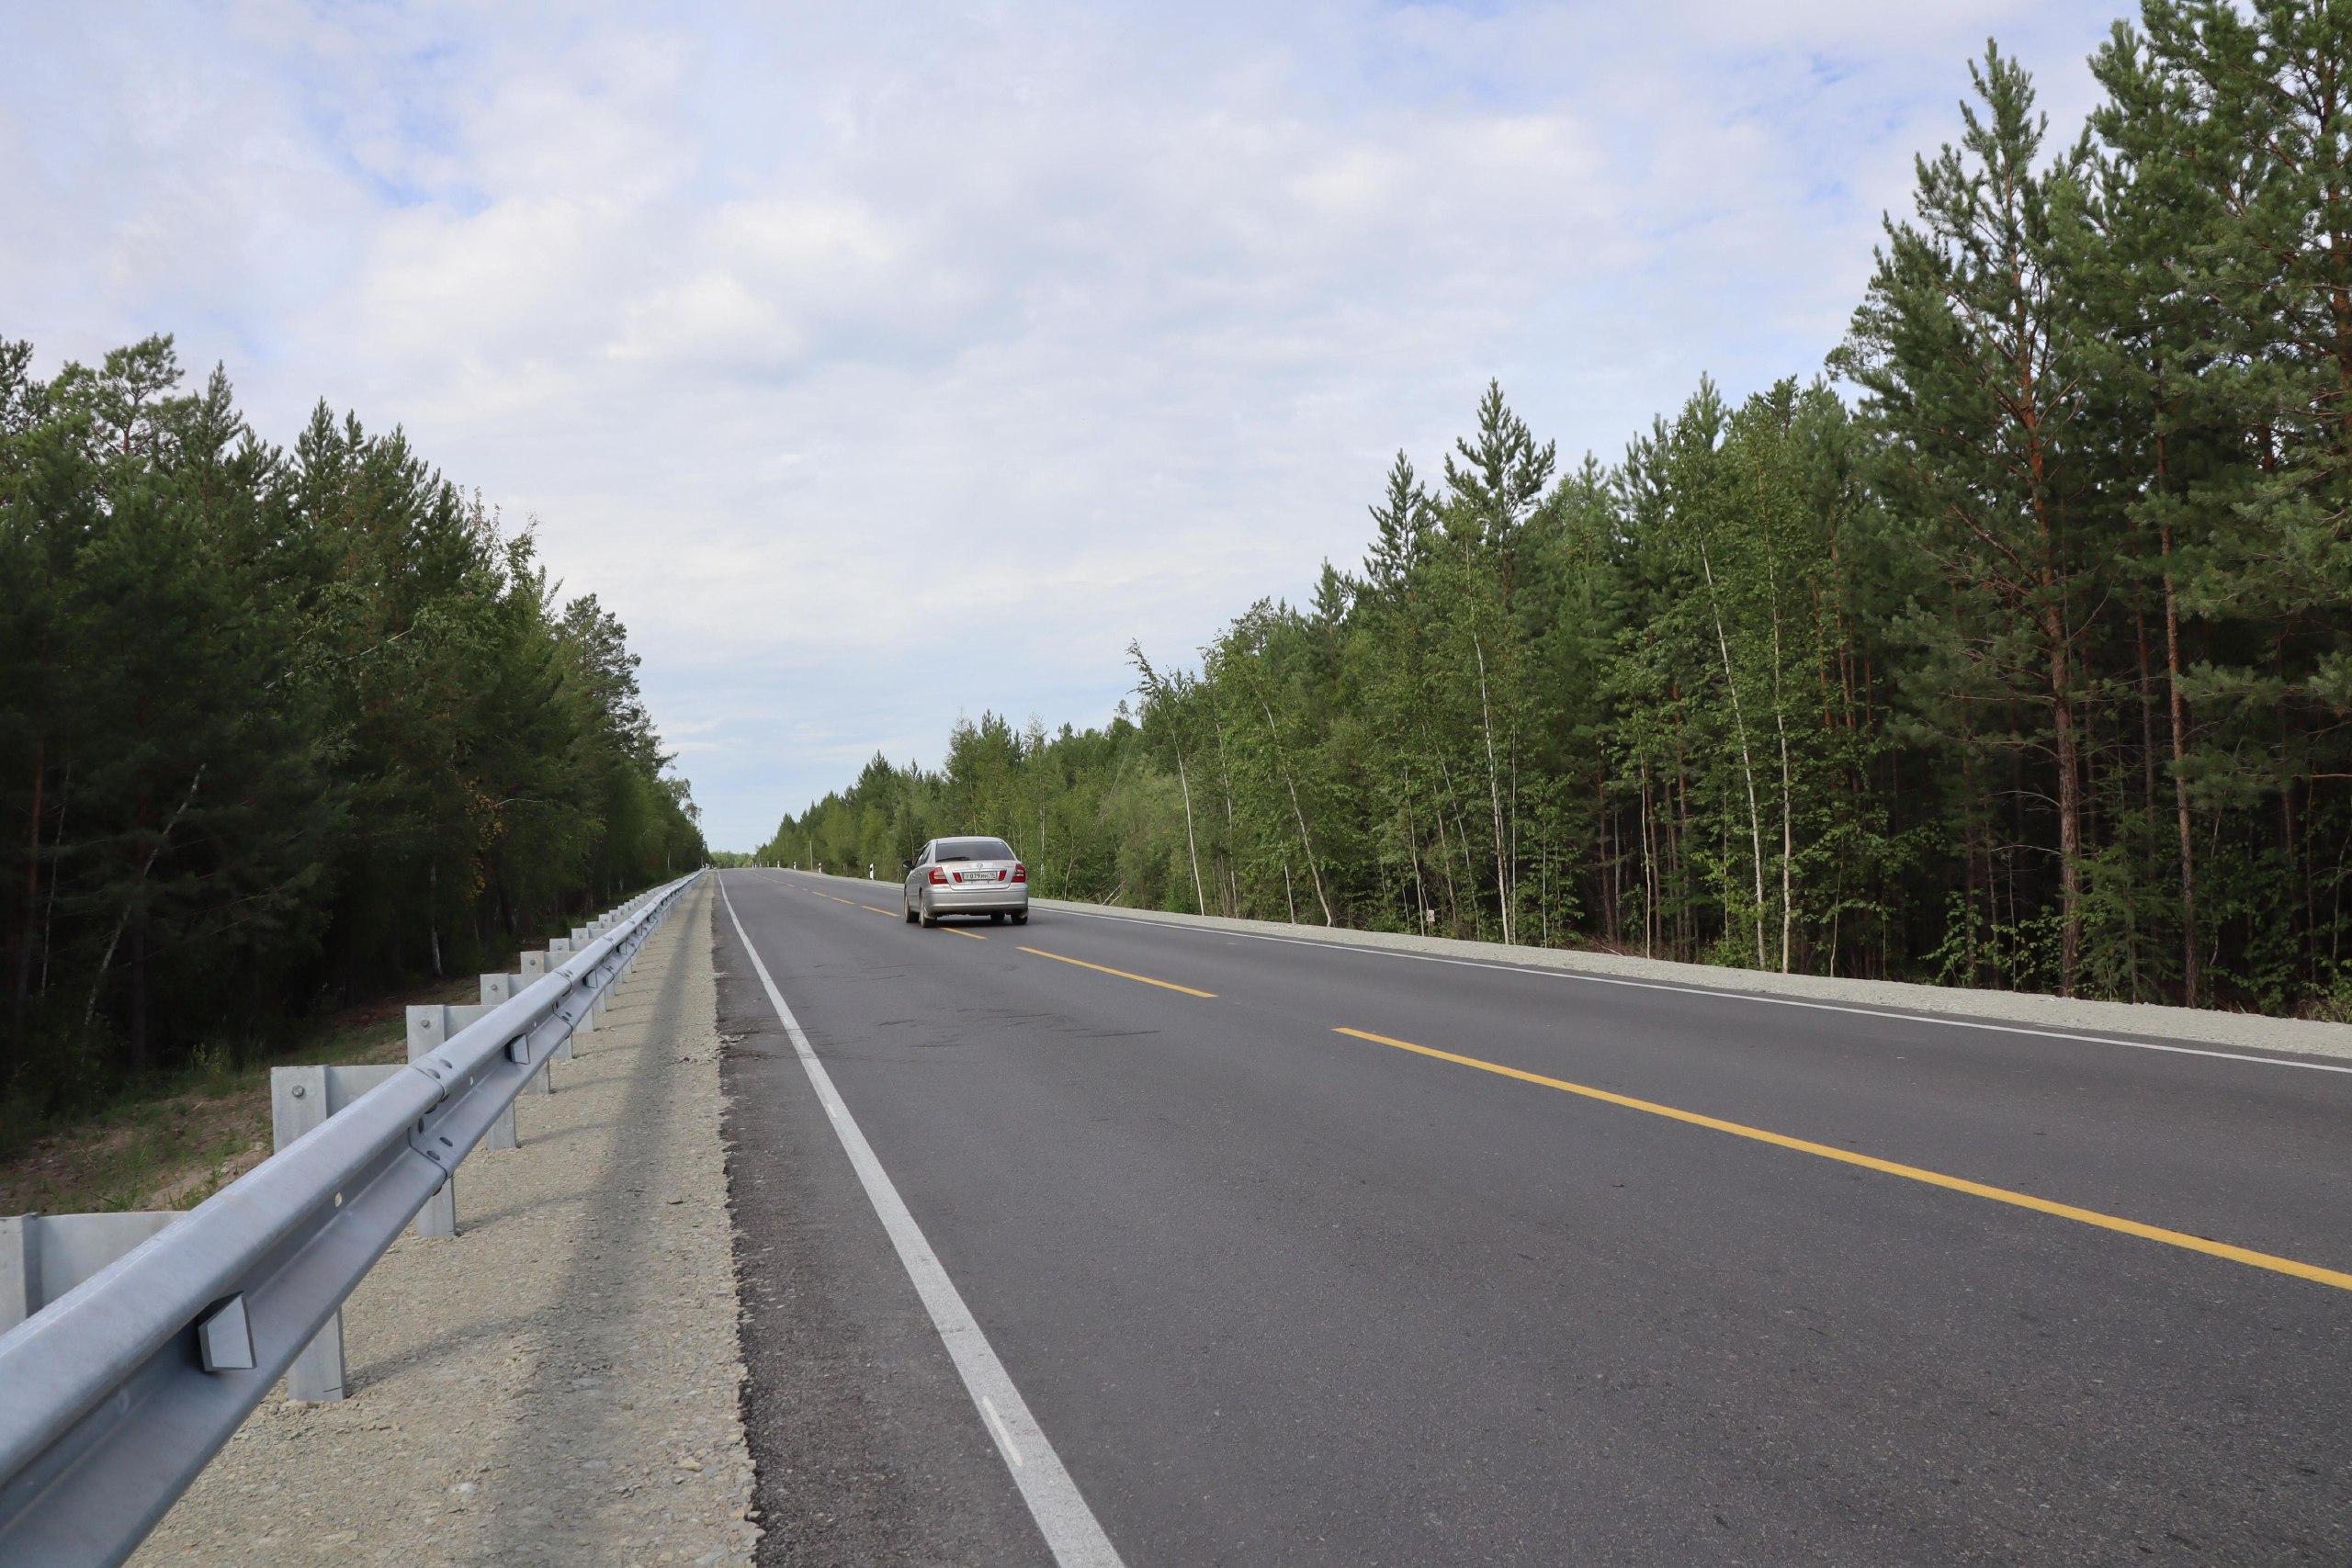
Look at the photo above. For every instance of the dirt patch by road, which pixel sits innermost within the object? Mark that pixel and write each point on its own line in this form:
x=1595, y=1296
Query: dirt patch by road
x=176, y=1150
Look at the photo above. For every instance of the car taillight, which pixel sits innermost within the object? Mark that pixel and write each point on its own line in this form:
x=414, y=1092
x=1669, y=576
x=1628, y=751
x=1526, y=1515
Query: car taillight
x=938, y=877
x=1020, y=873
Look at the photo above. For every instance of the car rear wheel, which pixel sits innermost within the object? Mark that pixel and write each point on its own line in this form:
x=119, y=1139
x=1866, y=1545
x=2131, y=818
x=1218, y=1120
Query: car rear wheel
x=1021, y=917
x=929, y=921
x=909, y=909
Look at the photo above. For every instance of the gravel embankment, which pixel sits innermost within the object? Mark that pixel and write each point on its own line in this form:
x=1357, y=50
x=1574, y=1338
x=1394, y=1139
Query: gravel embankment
x=559, y=1384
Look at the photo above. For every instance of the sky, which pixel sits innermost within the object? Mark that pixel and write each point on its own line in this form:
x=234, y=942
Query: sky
x=880, y=366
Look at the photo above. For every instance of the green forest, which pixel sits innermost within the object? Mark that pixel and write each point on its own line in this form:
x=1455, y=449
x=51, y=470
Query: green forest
x=2011, y=649
x=279, y=729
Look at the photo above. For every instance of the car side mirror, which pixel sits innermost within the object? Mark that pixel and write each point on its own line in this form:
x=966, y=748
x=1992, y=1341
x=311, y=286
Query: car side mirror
x=906, y=866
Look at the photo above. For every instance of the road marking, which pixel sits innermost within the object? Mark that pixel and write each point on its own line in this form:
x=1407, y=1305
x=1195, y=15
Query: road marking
x=2311, y=1271
x=1071, y=1532
x=959, y=930
x=1729, y=996
x=850, y=902
x=1003, y=1434
x=1107, y=969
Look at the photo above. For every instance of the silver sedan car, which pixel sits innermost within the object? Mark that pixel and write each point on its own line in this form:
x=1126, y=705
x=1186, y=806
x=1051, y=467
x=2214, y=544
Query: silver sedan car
x=967, y=876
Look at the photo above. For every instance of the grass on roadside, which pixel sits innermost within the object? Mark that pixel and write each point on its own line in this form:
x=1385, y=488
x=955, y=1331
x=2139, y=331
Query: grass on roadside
x=175, y=1148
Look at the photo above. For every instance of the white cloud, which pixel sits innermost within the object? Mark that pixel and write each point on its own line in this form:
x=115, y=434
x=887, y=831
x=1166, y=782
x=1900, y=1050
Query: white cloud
x=877, y=367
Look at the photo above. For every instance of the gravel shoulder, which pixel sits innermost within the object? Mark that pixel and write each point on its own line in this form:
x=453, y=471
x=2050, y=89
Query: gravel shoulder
x=561, y=1382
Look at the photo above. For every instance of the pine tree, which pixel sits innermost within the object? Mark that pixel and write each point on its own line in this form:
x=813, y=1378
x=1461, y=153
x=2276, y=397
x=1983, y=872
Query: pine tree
x=1971, y=348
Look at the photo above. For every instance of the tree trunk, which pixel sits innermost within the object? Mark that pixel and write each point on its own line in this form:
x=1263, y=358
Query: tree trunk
x=1544, y=893
x=1608, y=910
x=130, y=904
x=1788, y=787
x=1305, y=843
x=1494, y=791
x=1445, y=860
x=1230, y=894
x=2192, y=983
x=1649, y=872
x=49, y=908
x=2070, y=802
x=1191, y=848
x=139, y=1048
x=1413, y=848
x=2147, y=711
x=1747, y=767
x=1462, y=836
x=1678, y=829
x=32, y=895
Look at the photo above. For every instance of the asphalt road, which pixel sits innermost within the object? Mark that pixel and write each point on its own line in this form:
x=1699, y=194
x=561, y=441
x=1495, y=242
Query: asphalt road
x=1280, y=1293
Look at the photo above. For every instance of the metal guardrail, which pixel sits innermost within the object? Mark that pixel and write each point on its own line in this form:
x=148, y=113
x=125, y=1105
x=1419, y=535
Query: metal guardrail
x=114, y=1397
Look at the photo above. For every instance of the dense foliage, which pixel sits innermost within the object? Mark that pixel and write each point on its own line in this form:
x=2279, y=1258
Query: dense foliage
x=277, y=728
x=2027, y=662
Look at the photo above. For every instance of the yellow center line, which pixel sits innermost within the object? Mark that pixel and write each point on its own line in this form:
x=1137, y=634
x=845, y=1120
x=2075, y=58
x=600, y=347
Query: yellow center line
x=959, y=930
x=2311, y=1271
x=1105, y=969
x=879, y=910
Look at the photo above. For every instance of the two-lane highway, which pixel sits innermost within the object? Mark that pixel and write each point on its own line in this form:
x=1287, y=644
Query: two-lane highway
x=1315, y=1254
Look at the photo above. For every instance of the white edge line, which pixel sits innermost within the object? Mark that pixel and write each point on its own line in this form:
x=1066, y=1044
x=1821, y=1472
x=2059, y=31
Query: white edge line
x=1003, y=1434
x=1724, y=995
x=1072, y=1533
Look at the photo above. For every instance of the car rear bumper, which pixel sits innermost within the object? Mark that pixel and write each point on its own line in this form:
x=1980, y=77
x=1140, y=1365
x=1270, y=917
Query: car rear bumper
x=978, y=900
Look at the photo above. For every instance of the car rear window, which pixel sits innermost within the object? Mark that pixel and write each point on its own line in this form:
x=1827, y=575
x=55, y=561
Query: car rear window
x=974, y=848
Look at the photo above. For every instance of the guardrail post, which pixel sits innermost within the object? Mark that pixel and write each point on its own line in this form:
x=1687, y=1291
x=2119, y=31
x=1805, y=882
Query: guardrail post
x=44, y=1255
x=297, y=1102
x=19, y=1269
x=495, y=989
x=428, y=1029
x=583, y=936
x=586, y=1023
x=558, y=952
x=300, y=1099
x=534, y=966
